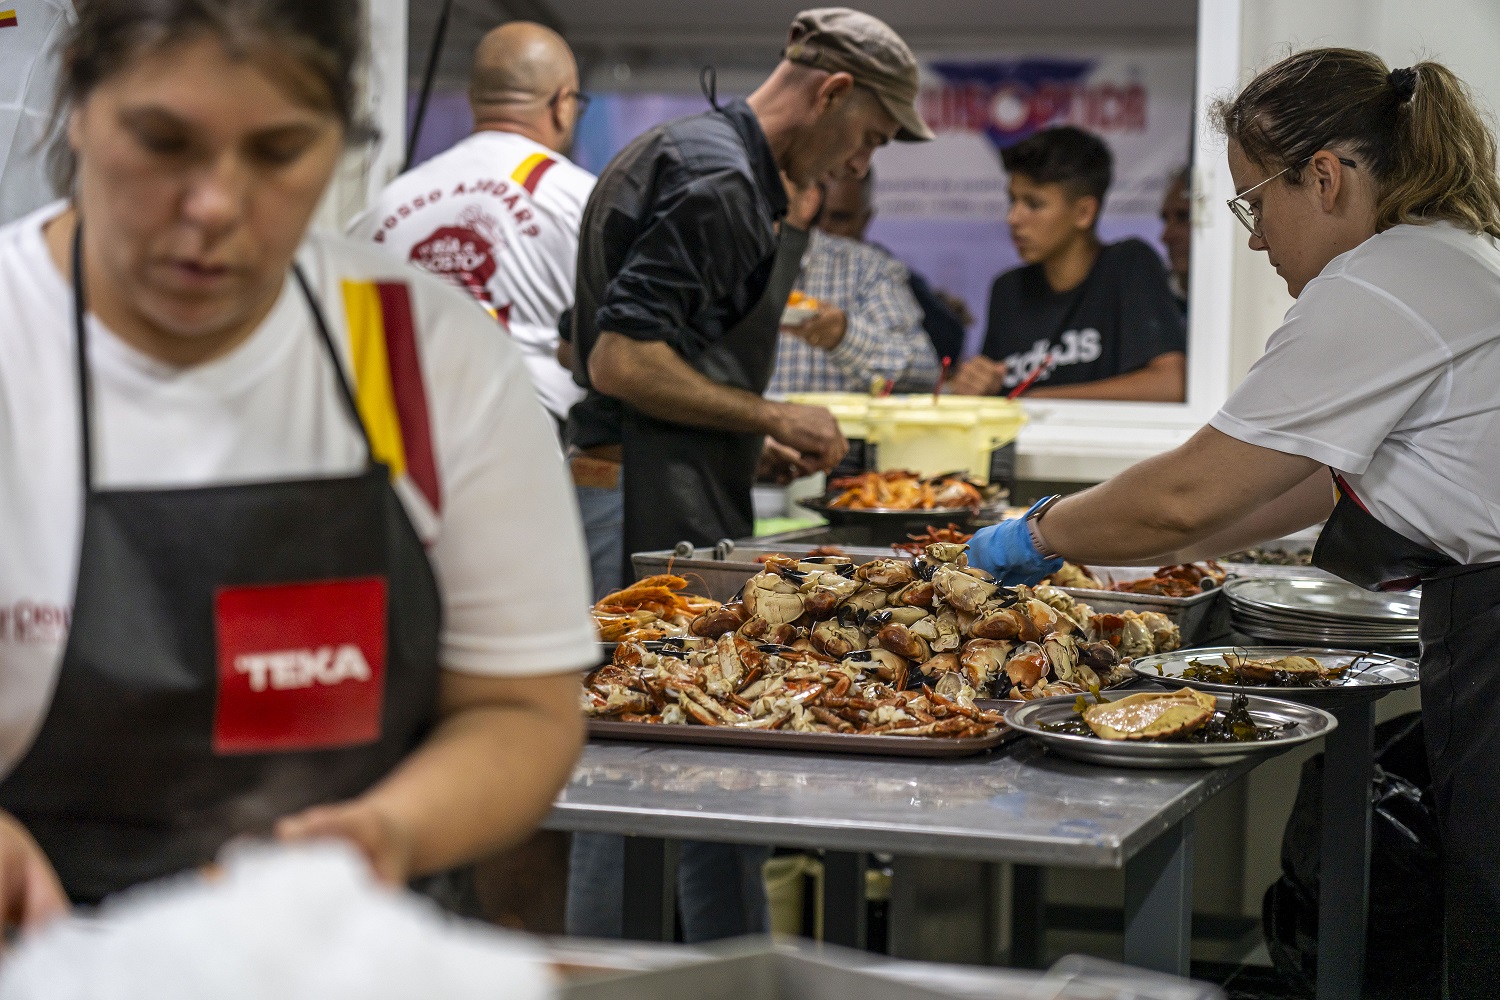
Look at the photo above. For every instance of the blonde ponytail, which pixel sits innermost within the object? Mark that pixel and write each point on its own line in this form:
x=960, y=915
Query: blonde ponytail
x=1426, y=142
x=1445, y=158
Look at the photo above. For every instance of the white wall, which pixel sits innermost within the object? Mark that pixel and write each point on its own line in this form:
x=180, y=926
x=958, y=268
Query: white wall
x=368, y=169
x=1462, y=34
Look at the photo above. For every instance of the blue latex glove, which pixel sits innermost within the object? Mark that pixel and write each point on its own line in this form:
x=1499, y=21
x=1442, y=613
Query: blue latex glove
x=1006, y=550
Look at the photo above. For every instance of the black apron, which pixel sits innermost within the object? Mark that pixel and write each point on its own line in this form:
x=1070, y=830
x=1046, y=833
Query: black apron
x=236, y=653
x=1460, y=681
x=689, y=484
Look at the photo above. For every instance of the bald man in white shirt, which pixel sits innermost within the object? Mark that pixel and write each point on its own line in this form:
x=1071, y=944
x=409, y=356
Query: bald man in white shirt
x=498, y=213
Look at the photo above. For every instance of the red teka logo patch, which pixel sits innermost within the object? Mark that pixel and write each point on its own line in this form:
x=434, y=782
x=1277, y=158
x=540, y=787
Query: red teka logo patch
x=301, y=665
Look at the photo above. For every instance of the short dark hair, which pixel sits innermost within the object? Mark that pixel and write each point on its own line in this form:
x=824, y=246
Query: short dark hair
x=325, y=38
x=1065, y=155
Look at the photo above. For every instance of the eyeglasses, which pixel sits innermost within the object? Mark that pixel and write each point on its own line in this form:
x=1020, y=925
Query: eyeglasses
x=577, y=95
x=1248, y=214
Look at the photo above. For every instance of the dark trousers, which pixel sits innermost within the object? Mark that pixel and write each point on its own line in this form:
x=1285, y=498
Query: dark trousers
x=1461, y=719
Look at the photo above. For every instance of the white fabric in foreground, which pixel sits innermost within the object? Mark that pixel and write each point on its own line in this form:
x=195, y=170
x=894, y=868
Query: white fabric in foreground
x=284, y=923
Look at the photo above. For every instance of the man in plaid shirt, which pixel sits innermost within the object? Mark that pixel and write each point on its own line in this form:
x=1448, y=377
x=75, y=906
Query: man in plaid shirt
x=869, y=326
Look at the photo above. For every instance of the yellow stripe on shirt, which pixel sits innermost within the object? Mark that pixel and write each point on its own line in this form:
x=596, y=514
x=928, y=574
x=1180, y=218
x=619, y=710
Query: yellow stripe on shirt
x=373, y=392
x=527, y=166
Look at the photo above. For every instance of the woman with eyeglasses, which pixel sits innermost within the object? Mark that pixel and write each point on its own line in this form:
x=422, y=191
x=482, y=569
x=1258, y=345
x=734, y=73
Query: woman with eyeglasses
x=286, y=543
x=1376, y=408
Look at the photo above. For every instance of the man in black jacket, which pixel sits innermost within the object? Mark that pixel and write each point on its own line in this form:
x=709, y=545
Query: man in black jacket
x=685, y=262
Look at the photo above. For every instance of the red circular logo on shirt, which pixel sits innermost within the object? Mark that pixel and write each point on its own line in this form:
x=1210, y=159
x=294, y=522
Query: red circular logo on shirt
x=460, y=255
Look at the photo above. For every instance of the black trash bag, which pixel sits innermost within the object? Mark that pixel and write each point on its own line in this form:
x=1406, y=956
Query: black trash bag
x=1404, y=936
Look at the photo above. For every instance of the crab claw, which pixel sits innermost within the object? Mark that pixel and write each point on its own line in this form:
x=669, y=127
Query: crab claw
x=903, y=642
x=982, y=660
x=1027, y=665
x=907, y=616
x=1003, y=623
x=1101, y=657
x=885, y=664
x=946, y=552
x=917, y=594
x=886, y=573
x=941, y=663
x=836, y=639
x=712, y=624
x=959, y=589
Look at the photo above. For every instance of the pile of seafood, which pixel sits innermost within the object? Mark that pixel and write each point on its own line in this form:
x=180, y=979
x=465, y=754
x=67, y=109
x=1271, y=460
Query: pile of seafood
x=650, y=609
x=736, y=682
x=901, y=490
x=1185, y=580
x=931, y=622
x=1280, y=671
x=1184, y=715
x=916, y=543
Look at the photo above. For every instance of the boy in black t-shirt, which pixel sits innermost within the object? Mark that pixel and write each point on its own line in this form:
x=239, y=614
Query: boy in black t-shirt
x=1099, y=321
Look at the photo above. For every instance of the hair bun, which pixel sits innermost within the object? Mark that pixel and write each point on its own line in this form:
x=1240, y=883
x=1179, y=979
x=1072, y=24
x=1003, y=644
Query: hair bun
x=1404, y=82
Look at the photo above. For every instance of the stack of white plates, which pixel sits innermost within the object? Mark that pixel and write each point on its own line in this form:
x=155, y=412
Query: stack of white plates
x=1322, y=612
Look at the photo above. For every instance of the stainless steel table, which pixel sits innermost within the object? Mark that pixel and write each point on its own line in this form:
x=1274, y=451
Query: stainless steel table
x=1017, y=805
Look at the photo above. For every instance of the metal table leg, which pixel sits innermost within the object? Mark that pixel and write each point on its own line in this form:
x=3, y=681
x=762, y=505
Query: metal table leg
x=844, y=909
x=991, y=912
x=1344, y=879
x=1028, y=917
x=1159, y=903
x=650, y=896
x=902, y=940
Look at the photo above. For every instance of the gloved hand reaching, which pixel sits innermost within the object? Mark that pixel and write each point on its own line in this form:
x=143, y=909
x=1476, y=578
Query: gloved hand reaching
x=1007, y=551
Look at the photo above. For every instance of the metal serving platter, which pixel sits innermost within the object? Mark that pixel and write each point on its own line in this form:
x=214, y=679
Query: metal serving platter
x=1304, y=723
x=721, y=570
x=1351, y=638
x=1325, y=601
x=1371, y=675
x=777, y=739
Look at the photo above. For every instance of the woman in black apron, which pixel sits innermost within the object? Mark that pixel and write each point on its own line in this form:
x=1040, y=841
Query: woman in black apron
x=261, y=658
x=1374, y=193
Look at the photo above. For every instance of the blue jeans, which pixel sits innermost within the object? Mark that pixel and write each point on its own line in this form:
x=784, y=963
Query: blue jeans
x=720, y=889
x=603, y=513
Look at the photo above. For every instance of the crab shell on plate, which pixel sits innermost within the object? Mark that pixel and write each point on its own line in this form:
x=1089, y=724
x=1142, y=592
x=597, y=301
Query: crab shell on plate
x=1266, y=669
x=1151, y=715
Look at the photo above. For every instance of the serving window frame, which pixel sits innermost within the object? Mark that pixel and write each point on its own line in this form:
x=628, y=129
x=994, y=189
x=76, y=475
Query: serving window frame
x=1086, y=441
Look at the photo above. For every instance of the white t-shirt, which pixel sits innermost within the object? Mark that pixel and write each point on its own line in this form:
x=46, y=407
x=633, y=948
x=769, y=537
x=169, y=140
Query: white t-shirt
x=498, y=215
x=1388, y=369
x=499, y=521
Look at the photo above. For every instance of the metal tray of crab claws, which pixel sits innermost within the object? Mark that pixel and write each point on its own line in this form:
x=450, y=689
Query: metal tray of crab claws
x=1366, y=676
x=1300, y=723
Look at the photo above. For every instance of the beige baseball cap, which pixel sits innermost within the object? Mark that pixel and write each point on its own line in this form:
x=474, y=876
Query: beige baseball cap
x=840, y=40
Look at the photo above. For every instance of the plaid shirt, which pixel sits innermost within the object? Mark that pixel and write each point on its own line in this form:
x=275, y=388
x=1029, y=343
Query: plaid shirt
x=883, y=334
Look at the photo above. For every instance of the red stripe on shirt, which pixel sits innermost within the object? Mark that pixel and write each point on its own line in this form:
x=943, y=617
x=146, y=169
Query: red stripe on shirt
x=1343, y=487
x=408, y=390
x=8, y=19
x=535, y=177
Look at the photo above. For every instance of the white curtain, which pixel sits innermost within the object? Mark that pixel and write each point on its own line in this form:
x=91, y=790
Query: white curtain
x=28, y=75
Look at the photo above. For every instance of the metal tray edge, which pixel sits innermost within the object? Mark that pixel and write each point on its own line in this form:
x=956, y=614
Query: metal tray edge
x=845, y=743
